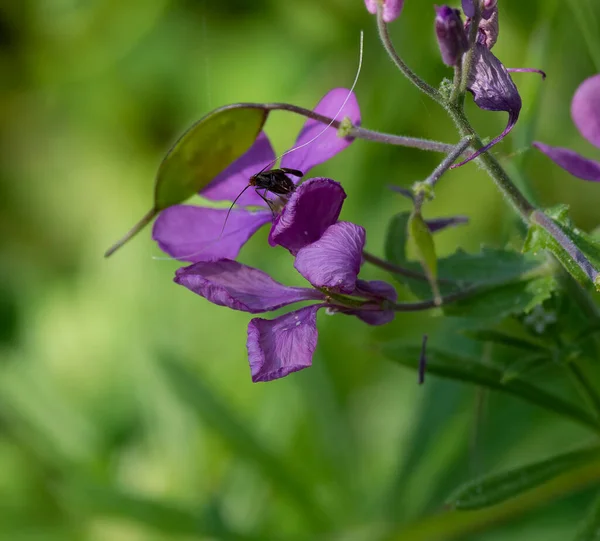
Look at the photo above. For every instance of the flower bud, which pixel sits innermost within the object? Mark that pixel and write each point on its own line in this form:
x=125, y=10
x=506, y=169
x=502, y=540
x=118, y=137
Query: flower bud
x=391, y=8
x=487, y=8
x=451, y=34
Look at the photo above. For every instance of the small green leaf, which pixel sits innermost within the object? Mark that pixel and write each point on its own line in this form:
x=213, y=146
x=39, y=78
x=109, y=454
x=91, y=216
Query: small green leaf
x=200, y=154
x=422, y=239
x=466, y=369
x=498, y=302
x=490, y=266
x=493, y=489
x=590, y=529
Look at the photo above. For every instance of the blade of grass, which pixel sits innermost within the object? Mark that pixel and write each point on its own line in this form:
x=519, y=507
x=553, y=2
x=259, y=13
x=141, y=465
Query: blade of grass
x=211, y=410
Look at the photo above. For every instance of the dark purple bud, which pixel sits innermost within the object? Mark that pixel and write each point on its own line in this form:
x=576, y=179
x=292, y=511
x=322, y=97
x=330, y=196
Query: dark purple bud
x=489, y=27
x=493, y=90
x=488, y=7
x=451, y=35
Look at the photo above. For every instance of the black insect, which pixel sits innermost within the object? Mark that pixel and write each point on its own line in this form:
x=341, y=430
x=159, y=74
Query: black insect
x=275, y=181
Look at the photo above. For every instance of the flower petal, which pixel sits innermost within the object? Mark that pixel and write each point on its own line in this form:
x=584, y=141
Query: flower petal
x=328, y=143
x=229, y=283
x=585, y=109
x=191, y=233
x=574, y=163
x=229, y=184
x=283, y=345
x=493, y=90
x=313, y=207
x=334, y=260
x=378, y=291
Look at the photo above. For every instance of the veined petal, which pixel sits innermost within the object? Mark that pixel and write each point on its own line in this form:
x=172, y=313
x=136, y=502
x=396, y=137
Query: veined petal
x=572, y=162
x=191, y=233
x=313, y=207
x=493, y=90
x=328, y=143
x=229, y=283
x=334, y=260
x=585, y=109
x=229, y=184
x=283, y=345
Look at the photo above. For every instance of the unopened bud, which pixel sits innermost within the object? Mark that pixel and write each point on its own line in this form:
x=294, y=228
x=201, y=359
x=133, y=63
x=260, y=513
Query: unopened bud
x=487, y=7
x=451, y=35
x=391, y=8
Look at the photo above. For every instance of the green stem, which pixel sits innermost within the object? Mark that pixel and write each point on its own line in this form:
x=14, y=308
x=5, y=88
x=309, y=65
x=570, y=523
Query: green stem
x=406, y=71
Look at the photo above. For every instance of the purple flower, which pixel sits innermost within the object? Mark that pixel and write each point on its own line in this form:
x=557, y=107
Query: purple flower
x=451, y=35
x=286, y=344
x=391, y=8
x=194, y=233
x=489, y=81
x=585, y=111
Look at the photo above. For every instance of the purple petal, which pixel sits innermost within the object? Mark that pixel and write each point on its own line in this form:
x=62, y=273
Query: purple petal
x=391, y=8
x=313, y=207
x=191, y=233
x=328, y=143
x=334, y=260
x=527, y=70
x=451, y=34
x=493, y=90
x=438, y=224
x=423, y=360
x=283, y=345
x=229, y=184
x=574, y=163
x=468, y=7
x=229, y=283
x=378, y=291
x=585, y=109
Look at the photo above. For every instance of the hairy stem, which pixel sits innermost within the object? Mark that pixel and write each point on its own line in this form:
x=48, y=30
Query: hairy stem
x=406, y=71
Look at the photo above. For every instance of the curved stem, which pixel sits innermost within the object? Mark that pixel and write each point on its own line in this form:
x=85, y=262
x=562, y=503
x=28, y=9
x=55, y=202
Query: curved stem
x=147, y=218
x=355, y=131
x=406, y=71
x=397, y=269
x=434, y=303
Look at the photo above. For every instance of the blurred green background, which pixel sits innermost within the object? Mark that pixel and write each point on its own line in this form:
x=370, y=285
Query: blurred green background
x=96, y=443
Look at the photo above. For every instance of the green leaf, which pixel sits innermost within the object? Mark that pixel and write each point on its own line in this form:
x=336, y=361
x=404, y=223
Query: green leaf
x=504, y=339
x=422, y=239
x=211, y=410
x=590, y=529
x=489, y=267
x=200, y=154
x=525, y=366
x=504, y=300
x=462, y=368
x=496, y=488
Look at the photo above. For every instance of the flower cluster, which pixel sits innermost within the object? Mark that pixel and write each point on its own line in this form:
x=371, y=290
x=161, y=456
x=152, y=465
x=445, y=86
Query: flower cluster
x=328, y=253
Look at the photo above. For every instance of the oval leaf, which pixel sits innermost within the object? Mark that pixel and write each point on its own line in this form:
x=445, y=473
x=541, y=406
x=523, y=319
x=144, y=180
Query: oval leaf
x=199, y=155
x=205, y=150
x=421, y=237
x=466, y=369
x=496, y=488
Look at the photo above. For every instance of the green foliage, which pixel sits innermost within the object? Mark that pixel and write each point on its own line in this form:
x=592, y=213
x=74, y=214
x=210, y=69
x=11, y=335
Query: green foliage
x=496, y=488
x=205, y=150
x=590, y=529
x=475, y=370
x=421, y=237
